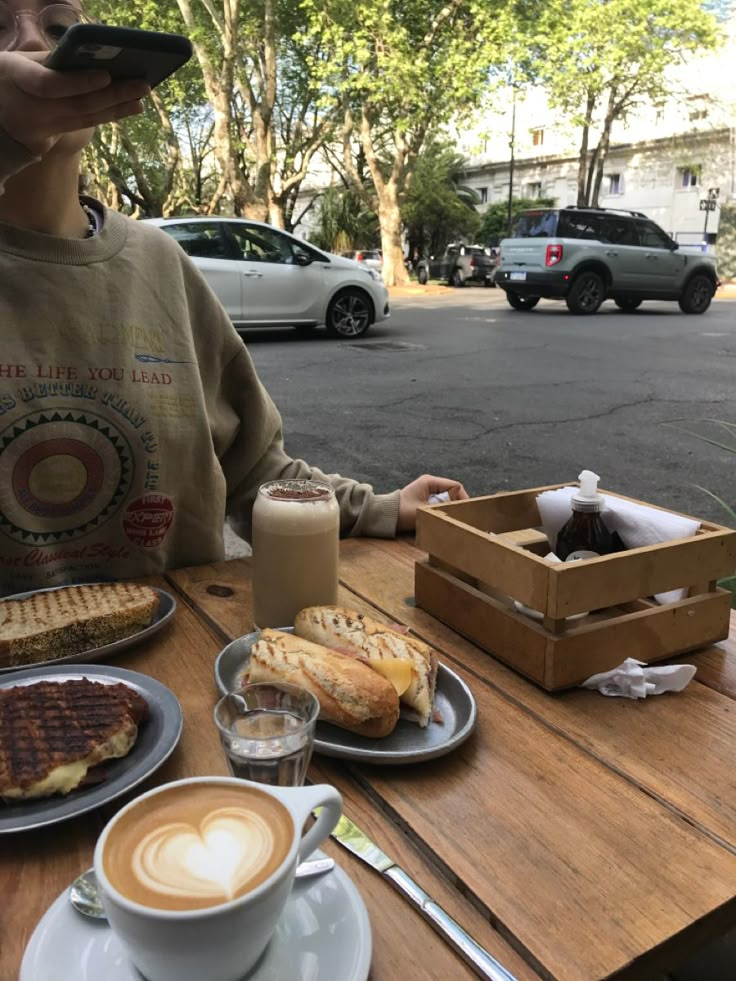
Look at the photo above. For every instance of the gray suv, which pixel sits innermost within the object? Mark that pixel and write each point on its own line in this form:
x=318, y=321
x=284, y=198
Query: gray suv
x=588, y=255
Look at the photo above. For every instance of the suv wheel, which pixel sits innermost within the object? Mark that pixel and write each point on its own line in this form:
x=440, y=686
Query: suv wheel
x=627, y=305
x=697, y=294
x=422, y=276
x=457, y=278
x=349, y=314
x=586, y=293
x=521, y=302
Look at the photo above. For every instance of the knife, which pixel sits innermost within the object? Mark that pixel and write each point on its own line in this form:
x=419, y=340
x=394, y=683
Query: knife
x=484, y=965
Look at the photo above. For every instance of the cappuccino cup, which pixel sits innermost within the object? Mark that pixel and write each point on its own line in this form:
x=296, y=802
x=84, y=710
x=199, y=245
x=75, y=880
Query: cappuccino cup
x=195, y=874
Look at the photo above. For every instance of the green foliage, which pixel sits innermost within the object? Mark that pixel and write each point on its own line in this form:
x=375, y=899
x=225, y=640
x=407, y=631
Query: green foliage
x=494, y=222
x=438, y=208
x=344, y=222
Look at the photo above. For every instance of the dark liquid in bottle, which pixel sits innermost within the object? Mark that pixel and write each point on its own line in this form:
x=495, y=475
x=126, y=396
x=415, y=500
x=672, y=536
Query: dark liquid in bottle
x=586, y=532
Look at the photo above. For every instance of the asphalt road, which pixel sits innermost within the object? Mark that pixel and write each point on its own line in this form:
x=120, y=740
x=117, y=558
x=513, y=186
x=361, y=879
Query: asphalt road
x=461, y=385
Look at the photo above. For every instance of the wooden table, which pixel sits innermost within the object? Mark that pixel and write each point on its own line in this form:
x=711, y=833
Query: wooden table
x=574, y=836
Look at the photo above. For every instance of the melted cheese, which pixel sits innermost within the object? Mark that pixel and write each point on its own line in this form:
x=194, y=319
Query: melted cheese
x=398, y=672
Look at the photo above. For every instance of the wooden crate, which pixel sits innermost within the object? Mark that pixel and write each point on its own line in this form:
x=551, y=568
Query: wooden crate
x=487, y=552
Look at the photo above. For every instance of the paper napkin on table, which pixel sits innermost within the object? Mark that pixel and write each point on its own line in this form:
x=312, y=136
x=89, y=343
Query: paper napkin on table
x=637, y=524
x=633, y=679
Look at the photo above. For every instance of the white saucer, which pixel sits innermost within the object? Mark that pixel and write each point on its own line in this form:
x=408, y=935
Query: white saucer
x=324, y=934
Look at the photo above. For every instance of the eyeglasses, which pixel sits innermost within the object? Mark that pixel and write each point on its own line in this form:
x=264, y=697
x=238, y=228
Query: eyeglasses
x=53, y=22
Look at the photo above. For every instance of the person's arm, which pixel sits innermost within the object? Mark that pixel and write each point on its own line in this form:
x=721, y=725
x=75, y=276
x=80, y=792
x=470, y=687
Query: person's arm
x=38, y=105
x=250, y=446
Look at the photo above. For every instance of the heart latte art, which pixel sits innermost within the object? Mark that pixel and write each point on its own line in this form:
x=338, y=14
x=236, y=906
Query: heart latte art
x=215, y=861
x=197, y=846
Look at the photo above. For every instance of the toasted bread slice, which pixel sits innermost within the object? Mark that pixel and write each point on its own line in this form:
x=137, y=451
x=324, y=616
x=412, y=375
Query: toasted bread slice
x=62, y=622
x=337, y=627
x=350, y=694
x=53, y=733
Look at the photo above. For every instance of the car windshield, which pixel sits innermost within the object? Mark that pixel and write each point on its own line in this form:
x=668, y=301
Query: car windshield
x=535, y=224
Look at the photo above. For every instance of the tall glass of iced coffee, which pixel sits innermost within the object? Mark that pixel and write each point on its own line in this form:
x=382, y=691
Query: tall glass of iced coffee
x=296, y=532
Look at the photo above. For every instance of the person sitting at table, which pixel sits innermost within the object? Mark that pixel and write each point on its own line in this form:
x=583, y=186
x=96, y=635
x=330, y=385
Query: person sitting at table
x=132, y=421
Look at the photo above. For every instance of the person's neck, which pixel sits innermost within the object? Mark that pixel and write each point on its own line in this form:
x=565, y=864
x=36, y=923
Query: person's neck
x=46, y=199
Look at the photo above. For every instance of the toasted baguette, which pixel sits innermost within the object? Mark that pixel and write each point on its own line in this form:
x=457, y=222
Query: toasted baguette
x=62, y=622
x=337, y=627
x=350, y=694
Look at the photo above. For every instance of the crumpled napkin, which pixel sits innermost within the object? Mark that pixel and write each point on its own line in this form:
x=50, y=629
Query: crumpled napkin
x=438, y=498
x=637, y=524
x=633, y=679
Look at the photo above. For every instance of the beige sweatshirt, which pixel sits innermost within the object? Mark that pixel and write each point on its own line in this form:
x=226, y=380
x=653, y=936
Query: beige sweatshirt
x=132, y=422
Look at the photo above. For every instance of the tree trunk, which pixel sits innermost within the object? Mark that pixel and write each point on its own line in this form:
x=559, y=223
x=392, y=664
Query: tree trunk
x=389, y=215
x=601, y=153
x=583, y=155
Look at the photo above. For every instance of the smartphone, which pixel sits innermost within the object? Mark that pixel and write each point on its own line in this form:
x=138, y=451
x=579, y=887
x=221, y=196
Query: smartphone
x=124, y=52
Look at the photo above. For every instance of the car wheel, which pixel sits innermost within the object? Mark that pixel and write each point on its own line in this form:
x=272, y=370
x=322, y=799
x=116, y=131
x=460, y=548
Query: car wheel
x=349, y=314
x=457, y=279
x=521, y=302
x=422, y=276
x=697, y=294
x=490, y=282
x=627, y=305
x=586, y=293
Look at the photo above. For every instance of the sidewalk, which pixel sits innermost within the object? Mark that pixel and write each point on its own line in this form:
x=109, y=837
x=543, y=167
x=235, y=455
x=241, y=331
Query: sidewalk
x=726, y=291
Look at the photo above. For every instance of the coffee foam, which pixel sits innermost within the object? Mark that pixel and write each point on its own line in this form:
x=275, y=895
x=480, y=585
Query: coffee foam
x=197, y=845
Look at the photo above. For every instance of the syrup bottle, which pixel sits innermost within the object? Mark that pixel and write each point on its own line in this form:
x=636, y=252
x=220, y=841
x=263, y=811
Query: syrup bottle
x=585, y=535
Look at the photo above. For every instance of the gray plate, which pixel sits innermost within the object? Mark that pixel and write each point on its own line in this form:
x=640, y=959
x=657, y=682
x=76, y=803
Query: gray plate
x=157, y=738
x=408, y=743
x=166, y=609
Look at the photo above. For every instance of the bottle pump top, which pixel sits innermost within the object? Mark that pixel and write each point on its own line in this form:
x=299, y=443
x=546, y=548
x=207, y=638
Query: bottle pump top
x=586, y=497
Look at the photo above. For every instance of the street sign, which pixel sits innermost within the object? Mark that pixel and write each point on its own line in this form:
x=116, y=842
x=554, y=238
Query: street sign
x=707, y=204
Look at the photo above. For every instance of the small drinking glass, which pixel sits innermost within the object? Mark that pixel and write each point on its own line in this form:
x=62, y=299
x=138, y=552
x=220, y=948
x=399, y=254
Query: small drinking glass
x=267, y=732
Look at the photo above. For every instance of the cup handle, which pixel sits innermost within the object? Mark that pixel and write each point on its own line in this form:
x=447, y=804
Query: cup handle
x=329, y=804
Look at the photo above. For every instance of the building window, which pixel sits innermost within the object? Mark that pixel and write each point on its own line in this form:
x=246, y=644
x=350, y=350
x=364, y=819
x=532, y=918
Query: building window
x=483, y=194
x=688, y=176
x=534, y=190
x=537, y=137
x=615, y=183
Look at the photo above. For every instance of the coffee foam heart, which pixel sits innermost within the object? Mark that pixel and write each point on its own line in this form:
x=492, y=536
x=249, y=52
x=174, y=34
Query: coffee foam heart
x=214, y=861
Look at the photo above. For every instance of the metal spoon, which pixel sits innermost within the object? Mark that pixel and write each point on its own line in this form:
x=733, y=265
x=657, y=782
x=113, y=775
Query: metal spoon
x=85, y=897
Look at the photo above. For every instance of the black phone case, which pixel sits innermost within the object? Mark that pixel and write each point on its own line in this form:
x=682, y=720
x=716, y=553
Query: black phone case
x=124, y=52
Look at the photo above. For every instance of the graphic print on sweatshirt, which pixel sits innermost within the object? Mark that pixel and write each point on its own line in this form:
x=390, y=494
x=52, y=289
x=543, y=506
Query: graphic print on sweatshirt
x=79, y=465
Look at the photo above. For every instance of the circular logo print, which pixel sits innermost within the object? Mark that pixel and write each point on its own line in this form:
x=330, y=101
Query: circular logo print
x=147, y=519
x=65, y=473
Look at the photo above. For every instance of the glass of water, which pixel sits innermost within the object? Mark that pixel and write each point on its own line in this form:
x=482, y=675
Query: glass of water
x=267, y=732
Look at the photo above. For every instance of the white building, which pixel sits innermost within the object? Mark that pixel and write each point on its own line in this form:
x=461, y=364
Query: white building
x=662, y=160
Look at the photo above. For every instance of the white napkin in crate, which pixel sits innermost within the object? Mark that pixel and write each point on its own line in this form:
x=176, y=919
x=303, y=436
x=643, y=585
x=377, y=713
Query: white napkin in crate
x=633, y=679
x=637, y=524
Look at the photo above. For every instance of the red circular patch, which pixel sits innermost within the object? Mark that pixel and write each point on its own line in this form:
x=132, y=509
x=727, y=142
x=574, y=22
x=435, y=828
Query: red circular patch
x=57, y=447
x=147, y=520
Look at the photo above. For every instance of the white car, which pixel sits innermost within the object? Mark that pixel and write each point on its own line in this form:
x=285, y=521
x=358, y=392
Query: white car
x=265, y=277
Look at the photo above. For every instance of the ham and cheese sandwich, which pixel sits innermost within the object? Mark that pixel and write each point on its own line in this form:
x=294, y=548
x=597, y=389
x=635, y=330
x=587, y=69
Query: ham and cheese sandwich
x=350, y=694
x=337, y=627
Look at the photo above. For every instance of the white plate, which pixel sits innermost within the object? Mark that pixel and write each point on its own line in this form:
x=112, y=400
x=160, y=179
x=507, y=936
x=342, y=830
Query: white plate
x=157, y=738
x=165, y=611
x=408, y=743
x=324, y=934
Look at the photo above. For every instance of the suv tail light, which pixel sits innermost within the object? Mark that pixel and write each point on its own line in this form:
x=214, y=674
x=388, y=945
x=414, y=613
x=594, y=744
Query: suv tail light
x=554, y=255
x=473, y=263
x=358, y=256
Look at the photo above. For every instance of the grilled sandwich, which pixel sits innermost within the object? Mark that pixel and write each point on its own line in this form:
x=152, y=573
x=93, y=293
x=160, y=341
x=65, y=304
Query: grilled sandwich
x=351, y=632
x=53, y=734
x=67, y=621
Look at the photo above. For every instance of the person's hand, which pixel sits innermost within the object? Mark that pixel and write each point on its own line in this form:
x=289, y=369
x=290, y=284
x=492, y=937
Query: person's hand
x=39, y=105
x=418, y=492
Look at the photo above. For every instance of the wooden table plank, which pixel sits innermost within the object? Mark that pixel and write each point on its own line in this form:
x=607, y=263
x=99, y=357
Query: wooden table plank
x=679, y=748
x=37, y=866
x=595, y=853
